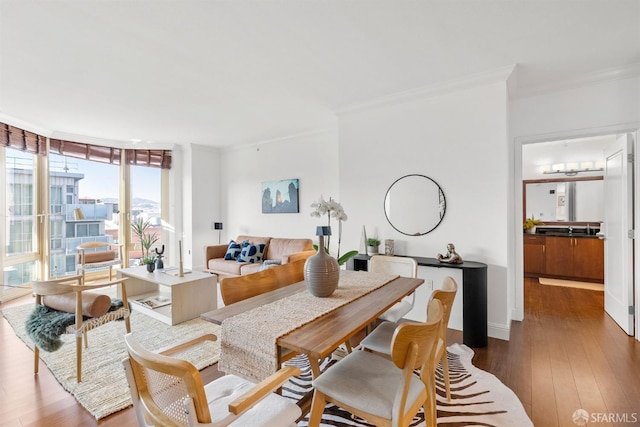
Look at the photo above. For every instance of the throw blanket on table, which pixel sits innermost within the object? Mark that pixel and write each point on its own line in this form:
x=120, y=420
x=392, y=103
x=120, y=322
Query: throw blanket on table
x=248, y=341
x=45, y=325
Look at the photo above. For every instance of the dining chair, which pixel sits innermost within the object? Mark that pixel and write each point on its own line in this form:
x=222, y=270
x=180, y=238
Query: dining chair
x=235, y=289
x=69, y=294
x=379, y=340
x=168, y=391
x=289, y=273
x=403, y=266
x=99, y=255
x=385, y=392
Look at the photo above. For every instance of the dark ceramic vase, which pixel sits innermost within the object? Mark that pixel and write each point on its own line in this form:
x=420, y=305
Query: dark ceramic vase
x=151, y=266
x=321, y=272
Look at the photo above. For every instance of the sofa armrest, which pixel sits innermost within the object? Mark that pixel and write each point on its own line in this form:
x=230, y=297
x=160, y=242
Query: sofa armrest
x=297, y=256
x=213, y=252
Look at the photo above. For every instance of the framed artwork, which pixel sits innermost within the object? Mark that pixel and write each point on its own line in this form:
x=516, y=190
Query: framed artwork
x=280, y=196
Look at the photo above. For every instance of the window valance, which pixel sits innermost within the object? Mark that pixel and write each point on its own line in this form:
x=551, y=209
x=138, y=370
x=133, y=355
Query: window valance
x=98, y=153
x=80, y=150
x=24, y=140
x=33, y=143
x=153, y=158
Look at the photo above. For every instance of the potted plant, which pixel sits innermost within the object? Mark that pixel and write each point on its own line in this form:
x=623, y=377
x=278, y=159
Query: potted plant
x=147, y=239
x=372, y=245
x=530, y=224
x=150, y=262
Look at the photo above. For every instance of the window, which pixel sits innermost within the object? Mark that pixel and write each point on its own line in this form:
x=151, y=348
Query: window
x=145, y=204
x=55, y=199
x=19, y=253
x=81, y=196
x=90, y=188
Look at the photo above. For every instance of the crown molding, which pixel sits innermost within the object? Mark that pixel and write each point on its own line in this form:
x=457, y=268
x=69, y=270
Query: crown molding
x=10, y=120
x=588, y=79
x=257, y=144
x=496, y=75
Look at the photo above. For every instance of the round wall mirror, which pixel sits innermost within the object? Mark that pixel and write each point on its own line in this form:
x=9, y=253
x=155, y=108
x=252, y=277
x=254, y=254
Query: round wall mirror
x=414, y=205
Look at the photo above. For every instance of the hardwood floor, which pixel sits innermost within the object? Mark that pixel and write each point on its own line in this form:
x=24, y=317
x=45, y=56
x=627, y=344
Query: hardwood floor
x=567, y=354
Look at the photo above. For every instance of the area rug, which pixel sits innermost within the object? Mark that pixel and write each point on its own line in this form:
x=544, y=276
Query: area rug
x=571, y=284
x=478, y=398
x=104, y=389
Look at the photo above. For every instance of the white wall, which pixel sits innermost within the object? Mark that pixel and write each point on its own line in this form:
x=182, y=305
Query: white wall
x=201, y=201
x=313, y=159
x=460, y=141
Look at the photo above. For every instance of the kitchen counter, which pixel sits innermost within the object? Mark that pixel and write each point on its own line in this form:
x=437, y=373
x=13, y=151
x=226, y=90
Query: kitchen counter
x=583, y=232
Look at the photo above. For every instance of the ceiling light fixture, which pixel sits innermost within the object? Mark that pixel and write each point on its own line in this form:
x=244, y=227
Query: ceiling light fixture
x=572, y=169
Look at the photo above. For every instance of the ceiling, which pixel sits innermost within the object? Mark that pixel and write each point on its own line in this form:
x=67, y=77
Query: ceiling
x=221, y=73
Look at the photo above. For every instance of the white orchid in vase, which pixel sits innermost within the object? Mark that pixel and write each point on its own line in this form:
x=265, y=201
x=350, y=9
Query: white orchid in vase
x=332, y=209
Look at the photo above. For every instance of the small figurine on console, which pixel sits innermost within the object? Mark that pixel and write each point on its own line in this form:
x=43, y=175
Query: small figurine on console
x=451, y=257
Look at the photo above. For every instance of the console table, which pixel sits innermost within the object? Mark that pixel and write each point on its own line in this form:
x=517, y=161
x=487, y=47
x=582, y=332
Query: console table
x=474, y=294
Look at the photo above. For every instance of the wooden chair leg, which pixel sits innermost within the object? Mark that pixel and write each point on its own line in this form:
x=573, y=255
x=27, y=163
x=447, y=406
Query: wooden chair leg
x=347, y=344
x=86, y=339
x=36, y=359
x=127, y=324
x=317, y=408
x=79, y=358
x=445, y=371
x=432, y=412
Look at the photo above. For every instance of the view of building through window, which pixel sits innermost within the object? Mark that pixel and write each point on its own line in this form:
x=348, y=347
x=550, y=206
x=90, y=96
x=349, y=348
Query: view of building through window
x=84, y=207
x=20, y=224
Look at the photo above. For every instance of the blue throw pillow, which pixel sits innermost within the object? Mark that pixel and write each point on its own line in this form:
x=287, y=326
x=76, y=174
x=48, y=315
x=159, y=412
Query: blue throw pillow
x=252, y=253
x=233, y=251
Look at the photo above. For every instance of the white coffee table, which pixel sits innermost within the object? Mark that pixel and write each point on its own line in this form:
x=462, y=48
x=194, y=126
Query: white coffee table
x=169, y=298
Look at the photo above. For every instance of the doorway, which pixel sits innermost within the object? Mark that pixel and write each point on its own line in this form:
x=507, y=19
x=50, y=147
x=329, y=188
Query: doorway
x=568, y=247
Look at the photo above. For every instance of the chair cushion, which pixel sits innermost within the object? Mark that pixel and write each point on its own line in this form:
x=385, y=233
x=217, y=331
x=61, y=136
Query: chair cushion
x=367, y=382
x=273, y=410
x=380, y=339
x=397, y=311
x=101, y=256
x=93, y=305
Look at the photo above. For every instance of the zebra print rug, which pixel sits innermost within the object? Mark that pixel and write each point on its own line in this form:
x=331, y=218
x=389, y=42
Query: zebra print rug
x=477, y=397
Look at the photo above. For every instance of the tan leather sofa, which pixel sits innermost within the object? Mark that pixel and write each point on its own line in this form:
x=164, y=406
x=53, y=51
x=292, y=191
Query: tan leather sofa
x=277, y=249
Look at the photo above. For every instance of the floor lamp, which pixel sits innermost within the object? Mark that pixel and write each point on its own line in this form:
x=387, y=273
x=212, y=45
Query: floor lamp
x=218, y=226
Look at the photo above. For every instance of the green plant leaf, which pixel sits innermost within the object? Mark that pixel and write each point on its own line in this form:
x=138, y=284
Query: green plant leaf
x=344, y=258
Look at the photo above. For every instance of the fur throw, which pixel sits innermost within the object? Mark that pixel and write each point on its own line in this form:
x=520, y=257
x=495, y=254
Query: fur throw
x=45, y=325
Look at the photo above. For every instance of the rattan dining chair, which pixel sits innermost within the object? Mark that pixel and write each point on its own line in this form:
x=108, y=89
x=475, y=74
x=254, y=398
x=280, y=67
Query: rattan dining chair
x=380, y=339
x=69, y=294
x=385, y=392
x=168, y=391
x=93, y=255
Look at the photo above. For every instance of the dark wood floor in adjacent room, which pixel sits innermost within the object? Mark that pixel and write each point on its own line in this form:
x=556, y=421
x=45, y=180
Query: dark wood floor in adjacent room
x=567, y=354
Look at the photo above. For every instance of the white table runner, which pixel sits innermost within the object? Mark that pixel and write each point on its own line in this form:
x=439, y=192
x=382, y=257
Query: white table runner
x=248, y=340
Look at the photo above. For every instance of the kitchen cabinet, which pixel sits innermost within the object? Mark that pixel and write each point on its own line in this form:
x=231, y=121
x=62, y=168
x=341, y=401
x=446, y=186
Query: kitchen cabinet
x=565, y=257
x=534, y=255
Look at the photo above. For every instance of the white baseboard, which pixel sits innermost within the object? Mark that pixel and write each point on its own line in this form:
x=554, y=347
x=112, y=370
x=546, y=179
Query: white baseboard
x=495, y=330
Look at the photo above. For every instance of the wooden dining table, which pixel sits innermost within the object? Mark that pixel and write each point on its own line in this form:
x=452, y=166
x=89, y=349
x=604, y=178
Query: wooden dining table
x=320, y=337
